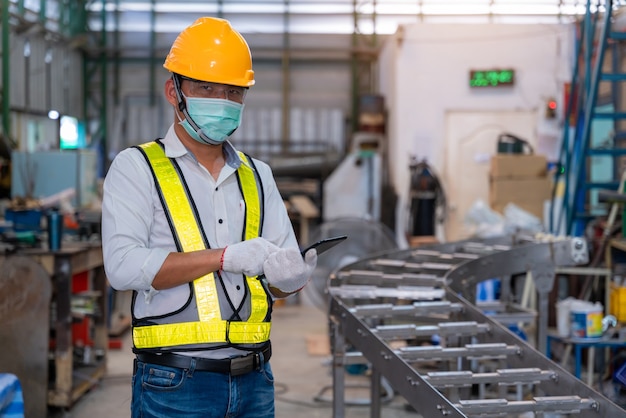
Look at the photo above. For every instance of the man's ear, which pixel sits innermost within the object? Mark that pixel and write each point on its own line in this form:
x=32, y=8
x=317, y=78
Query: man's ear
x=170, y=92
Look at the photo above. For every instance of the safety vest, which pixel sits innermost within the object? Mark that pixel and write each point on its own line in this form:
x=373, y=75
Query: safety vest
x=209, y=328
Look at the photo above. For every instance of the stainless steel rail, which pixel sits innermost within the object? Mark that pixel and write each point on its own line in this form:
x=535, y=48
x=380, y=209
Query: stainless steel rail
x=423, y=301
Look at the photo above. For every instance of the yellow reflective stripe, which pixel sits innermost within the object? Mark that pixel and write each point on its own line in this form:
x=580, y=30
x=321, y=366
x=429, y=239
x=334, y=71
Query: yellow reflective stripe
x=170, y=335
x=175, y=197
x=253, y=222
x=251, y=197
x=249, y=332
x=259, y=301
x=207, y=298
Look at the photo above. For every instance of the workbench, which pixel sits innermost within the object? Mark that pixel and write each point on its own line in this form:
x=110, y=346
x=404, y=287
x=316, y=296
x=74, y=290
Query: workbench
x=578, y=345
x=75, y=365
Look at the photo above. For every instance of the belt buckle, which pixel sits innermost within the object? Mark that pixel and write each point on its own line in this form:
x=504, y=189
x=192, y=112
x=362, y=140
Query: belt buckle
x=241, y=365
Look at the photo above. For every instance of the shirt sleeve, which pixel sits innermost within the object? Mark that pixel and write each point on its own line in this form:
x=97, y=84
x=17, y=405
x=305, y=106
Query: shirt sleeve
x=277, y=227
x=127, y=218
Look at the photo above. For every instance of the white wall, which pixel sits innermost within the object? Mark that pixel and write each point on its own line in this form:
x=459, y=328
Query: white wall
x=424, y=72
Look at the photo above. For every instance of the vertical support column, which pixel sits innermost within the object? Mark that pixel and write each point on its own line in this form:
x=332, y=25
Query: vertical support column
x=103, y=77
x=543, y=277
x=355, y=69
x=101, y=335
x=6, y=69
x=375, y=393
x=63, y=352
x=363, y=58
x=43, y=11
x=152, y=61
x=116, y=49
x=338, y=349
x=286, y=106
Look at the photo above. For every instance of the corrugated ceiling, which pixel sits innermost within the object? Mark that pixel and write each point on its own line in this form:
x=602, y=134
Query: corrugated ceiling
x=318, y=16
x=337, y=16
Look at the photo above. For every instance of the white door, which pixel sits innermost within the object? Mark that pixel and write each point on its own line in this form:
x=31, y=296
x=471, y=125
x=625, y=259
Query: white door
x=471, y=139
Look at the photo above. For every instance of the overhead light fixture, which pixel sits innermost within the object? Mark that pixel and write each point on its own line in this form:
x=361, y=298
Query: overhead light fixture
x=53, y=114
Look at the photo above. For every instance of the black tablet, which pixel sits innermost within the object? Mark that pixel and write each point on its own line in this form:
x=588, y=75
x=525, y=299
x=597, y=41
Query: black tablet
x=325, y=244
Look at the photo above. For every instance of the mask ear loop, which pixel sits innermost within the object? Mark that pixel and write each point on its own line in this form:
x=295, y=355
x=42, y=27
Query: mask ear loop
x=183, y=108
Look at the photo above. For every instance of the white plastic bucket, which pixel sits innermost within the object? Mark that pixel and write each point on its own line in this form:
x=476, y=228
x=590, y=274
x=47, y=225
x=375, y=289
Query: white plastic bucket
x=563, y=312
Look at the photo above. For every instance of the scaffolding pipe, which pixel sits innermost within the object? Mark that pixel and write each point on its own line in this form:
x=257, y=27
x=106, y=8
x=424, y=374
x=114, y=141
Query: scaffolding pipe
x=6, y=55
x=285, y=126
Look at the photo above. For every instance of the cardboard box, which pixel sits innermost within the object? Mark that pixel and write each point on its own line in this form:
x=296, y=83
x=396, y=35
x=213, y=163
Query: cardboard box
x=519, y=190
x=518, y=165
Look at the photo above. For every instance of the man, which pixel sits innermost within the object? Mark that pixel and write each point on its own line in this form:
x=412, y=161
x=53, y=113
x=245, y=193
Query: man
x=200, y=233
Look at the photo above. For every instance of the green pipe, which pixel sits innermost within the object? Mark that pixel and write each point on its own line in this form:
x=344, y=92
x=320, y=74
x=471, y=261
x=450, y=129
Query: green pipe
x=116, y=61
x=354, y=67
x=374, y=16
x=153, y=53
x=63, y=18
x=103, y=79
x=286, y=78
x=6, y=55
x=76, y=18
x=42, y=11
x=85, y=86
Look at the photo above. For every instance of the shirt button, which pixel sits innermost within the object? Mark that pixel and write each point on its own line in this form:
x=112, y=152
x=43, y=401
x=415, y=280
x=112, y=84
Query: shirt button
x=216, y=188
x=220, y=221
x=238, y=287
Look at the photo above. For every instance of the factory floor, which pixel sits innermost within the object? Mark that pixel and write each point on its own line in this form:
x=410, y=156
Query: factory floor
x=300, y=362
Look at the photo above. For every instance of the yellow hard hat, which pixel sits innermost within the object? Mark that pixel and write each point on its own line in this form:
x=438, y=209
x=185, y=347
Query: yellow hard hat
x=211, y=50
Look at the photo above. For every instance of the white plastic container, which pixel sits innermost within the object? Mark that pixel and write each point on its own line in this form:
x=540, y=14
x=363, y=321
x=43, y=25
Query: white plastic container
x=586, y=319
x=563, y=312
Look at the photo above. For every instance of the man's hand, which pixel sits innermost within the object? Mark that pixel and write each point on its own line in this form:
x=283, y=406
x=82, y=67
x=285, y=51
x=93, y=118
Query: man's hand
x=247, y=257
x=287, y=271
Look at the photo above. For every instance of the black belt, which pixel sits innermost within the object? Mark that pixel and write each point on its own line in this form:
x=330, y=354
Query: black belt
x=234, y=366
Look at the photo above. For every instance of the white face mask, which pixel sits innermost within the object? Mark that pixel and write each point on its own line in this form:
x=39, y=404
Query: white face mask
x=216, y=119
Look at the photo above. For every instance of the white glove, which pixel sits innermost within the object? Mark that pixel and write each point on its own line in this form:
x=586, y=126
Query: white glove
x=287, y=271
x=248, y=256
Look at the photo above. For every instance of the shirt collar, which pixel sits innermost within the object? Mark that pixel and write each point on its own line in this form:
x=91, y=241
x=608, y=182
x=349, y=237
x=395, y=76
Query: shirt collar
x=174, y=148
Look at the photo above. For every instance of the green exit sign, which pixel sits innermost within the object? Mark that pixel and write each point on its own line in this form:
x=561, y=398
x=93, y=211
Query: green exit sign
x=492, y=78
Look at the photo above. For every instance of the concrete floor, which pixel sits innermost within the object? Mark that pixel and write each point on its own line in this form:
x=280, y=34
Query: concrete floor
x=303, y=377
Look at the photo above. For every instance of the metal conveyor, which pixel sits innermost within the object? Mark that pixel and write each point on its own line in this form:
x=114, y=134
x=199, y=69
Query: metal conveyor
x=411, y=315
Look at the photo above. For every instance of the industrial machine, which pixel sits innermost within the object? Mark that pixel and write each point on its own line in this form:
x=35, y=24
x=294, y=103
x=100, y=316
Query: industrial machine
x=412, y=316
x=354, y=188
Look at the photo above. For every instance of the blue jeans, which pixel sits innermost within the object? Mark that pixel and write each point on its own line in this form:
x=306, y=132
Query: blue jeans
x=168, y=392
